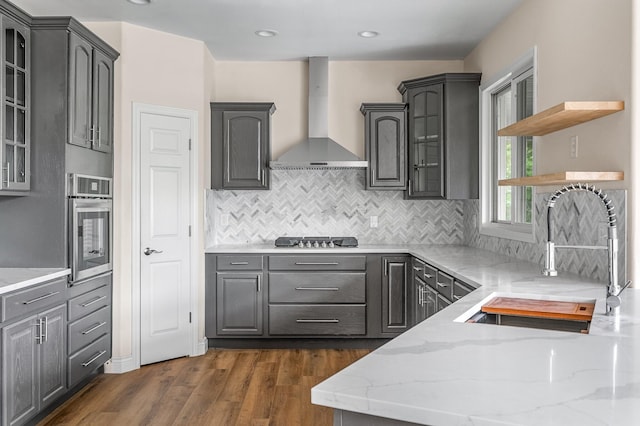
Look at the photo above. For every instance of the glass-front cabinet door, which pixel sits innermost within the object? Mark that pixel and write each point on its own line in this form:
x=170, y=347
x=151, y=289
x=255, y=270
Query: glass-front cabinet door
x=426, y=153
x=15, y=147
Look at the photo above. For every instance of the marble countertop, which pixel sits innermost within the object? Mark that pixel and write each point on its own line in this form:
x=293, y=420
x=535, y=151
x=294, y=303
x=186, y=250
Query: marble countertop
x=448, y=372
x=17, y=278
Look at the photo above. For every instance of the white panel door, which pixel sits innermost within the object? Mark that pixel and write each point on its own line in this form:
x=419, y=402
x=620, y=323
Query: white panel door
x=164, y=237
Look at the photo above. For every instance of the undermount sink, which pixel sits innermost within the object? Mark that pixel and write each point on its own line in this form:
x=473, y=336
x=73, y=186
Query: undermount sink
x=532, y=311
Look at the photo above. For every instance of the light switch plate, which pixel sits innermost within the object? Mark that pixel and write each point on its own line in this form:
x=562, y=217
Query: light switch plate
x=373, y=221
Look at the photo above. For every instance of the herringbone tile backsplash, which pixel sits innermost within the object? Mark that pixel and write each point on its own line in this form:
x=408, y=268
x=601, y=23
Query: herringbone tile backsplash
x=335, y=203
x=330, y=203
x=580, y=219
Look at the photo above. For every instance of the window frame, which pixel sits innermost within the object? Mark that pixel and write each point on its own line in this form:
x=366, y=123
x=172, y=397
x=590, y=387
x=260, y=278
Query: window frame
x=488, y=157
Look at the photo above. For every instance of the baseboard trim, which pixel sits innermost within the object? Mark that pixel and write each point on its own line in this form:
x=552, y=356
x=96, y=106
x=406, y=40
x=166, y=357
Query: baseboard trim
x=120, y=365
x=201, y=347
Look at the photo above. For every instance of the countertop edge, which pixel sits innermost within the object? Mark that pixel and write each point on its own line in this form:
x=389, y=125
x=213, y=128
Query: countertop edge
x=32, y=276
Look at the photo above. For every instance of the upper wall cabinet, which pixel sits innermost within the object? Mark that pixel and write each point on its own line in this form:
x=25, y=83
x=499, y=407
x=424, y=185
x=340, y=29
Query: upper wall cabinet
x=90, y=96
x=73, y=85
x=240, y=145
x=15, y=145
x=442, y=135
x=385, y=145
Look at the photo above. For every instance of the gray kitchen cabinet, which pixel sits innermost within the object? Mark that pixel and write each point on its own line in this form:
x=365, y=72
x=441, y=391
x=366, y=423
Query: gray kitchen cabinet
x=90, y=95
x=395, y=294
x=461, y=289
x=385, y=146
x=234, y=295
x=442, y=135
x=72, y=92
x=239, y=303
x=89, y=328
x=33, y=364
x=240, y=145
x=317, y=295
x=15, y=118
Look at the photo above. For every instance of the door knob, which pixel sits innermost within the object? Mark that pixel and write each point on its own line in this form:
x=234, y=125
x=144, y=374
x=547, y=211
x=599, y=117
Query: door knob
x=149, y=251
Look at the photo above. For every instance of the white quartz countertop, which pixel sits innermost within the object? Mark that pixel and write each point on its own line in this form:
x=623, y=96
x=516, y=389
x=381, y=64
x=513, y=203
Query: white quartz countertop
x=17, y=278
x=446, y=372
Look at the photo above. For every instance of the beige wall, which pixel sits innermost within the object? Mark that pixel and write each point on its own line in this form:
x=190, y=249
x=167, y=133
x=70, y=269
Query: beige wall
x=350, y=84
x=583, y=53
x=161, y=69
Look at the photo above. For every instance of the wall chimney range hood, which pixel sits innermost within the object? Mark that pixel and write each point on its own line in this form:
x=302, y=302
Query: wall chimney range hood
x=318, y=151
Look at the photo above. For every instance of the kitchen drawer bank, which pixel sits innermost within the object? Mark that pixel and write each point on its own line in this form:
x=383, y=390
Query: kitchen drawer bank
x=305, y=299
x=54, y=337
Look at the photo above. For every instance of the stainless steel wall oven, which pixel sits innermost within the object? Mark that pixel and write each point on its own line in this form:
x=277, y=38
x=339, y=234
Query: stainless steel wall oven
x=90, y=223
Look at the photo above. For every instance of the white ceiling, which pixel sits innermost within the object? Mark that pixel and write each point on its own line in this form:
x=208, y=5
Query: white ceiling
x=409, y=29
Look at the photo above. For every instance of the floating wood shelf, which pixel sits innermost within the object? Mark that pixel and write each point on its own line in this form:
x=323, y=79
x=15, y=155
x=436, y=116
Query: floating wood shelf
x=562, y=178
x=560, y=117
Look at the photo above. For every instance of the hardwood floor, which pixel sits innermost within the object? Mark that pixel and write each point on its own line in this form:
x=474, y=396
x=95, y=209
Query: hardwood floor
x=223, y=387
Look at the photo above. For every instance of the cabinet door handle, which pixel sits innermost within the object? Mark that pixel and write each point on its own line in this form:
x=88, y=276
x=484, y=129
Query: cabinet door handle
x=318, y=263
x=94, y=328
x=91, y=302
x=420, y=295
x=98, y=355
x=37, y=299
x=264, y=180
x=385, y=267
x=318, y=321
x=238, y=263
x=259, y=283
x=410, y=188
x=39, y=331
x=318, y=288
x=45, y=320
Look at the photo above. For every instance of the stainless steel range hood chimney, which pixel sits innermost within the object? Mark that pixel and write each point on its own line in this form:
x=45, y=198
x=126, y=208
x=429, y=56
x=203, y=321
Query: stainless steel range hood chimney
x=318, y=151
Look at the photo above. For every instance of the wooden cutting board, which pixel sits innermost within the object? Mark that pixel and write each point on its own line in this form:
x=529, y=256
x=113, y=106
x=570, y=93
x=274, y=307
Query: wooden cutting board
x=539, y=308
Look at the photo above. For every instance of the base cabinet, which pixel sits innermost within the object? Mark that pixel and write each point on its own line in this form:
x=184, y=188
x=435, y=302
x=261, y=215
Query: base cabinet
x=33, y=364
x=395, y=294
x=239, y=303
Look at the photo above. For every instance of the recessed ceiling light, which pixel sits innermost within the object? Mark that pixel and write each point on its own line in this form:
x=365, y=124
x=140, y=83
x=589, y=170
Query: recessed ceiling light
x=368, y=34
x=143, y=2
x=266, y=33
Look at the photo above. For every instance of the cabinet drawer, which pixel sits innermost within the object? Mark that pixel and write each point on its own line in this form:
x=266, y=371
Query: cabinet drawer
x=235, y=263
x=337, y=320
x=442, y=302
x=84, y=286
x=89, y=328
x=318, y=263
x=84, y=362
x=430, y=275
x=34, y=298
x=89, y=302
x=317, y=287
x=418, y=268
x=460, y=290
x=444, y=285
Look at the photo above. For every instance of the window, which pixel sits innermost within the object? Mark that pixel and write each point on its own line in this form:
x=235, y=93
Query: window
x=507, y=211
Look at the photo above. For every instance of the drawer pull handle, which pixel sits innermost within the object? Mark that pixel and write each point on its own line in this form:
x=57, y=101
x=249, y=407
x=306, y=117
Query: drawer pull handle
x=94, y=328
x=429, y=276
x=239, y=263
x=415, y=268
x=318, y=263
x=37, y=299
x=318, y=288
x=88, y=363
x=96, y=300
x=439, y=284
x=322, y=321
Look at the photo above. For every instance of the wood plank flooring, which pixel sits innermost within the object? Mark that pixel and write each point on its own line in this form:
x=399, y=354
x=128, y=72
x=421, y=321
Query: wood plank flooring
x=223, y=387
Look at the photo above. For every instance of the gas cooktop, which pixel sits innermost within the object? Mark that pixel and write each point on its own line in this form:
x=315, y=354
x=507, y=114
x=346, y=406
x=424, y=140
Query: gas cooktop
x=317, y=242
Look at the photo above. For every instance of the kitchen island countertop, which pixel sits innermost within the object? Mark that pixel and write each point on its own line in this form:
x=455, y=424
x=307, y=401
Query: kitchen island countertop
x=447, y=372
x=18, y=278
